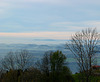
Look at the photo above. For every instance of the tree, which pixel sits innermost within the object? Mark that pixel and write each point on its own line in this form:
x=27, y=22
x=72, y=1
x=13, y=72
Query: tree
x=16, y=60
x=30, y=75
x=8, y=62
x=10, y=76
x=44, y=66
x=23, y=59
x=84, y=46
x=53, y=67
x=57, y=60
x=1, y=71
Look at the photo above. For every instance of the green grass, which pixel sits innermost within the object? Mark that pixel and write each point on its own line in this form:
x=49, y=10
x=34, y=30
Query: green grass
x=77, y=78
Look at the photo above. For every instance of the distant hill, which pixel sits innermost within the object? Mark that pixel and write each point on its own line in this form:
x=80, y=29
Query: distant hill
x=38, y=51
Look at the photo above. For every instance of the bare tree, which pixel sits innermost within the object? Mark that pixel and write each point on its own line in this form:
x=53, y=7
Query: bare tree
x=8, y=62
x=44, y=64
x=22, y=59
x=16, y=60
x=84, y=46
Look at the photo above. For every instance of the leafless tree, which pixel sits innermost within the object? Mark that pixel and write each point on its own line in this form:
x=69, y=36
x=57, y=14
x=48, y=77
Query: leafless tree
x=44, y=64
x=16, y=60
x=84, y=46
x=8, y=62
x=23, y=59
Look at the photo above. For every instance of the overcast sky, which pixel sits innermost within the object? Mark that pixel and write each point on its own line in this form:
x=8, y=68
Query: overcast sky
x=47, y=19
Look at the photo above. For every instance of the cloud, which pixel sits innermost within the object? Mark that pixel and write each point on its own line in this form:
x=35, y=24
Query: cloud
x=56, y=26
x=45, y=1
x=77, y=26
x=25, y=3
x=40, y=18
x=33, y=1
x=45, y=35
x=65, y=2
x=57, y=2
x=93, y=23
x=3, y=7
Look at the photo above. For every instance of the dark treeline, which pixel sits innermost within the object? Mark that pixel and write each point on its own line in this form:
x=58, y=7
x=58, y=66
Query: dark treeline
x=18, y=67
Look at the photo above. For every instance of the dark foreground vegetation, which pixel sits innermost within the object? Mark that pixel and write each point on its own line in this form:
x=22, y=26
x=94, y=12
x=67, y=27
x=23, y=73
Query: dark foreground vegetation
x=51, y=68
x=19, y=66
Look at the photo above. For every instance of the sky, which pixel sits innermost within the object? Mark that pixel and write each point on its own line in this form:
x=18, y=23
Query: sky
x=23, y=20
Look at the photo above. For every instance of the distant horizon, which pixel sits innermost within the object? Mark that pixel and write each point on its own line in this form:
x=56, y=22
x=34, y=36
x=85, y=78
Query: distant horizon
x=34, y=41
x=35, y=37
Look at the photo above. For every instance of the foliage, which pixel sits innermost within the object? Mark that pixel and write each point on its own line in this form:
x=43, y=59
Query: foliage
x=10, y=76
x=77, y=78
x=53, y=68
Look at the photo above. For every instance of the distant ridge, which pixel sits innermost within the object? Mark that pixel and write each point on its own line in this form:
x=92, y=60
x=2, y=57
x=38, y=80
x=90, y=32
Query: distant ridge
x=49, y=40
